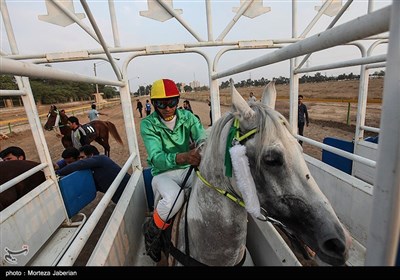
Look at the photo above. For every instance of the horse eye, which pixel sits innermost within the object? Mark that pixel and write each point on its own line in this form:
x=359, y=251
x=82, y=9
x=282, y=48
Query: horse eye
x=273, y=158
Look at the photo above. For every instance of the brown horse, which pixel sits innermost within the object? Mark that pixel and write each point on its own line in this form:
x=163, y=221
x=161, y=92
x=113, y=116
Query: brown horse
x=11, y=169
x=101, y=135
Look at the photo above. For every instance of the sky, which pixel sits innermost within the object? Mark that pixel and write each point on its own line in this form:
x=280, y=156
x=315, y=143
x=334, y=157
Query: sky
x=37, y=37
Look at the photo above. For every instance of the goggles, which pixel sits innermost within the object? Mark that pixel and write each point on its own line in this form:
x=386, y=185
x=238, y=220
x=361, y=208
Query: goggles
x=162, y=104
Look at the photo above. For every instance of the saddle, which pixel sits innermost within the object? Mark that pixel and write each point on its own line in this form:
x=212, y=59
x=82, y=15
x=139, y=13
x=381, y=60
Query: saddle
x=169, y=238
x=88, y=130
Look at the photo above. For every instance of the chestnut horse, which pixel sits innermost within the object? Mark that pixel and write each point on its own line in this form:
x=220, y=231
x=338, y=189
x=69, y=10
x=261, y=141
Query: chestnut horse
x=11, y=169
x=58, y=118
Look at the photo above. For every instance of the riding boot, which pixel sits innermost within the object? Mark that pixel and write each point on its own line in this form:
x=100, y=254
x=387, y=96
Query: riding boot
x=152, y=236
x=152, y=241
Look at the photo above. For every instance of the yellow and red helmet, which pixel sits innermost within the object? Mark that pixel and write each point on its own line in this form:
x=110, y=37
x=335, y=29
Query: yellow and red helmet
x=162, y=89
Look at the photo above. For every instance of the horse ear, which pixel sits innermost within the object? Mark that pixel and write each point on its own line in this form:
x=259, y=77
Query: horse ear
x=269, y=95
x=239, y=103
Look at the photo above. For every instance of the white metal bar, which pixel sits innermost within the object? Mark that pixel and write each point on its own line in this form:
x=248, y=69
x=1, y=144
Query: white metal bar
x=10, y=92
x=377, y=65
x=114, y=23
x=21, y=177
x=337, y=151
x=76, y=247
x=332, y=24
x=179, y=19
x=352, y=62
x=126, y=104
x=383, y=235
x=294, y=79
x=102, y=41
x=13, y=67
x=8, y=27
x=235, y=19
x=209, y=21
x=376, y=23
x=370, y=128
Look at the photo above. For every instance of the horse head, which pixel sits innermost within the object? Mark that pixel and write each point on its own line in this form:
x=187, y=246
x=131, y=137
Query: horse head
x=278, y=175
x=52, y=117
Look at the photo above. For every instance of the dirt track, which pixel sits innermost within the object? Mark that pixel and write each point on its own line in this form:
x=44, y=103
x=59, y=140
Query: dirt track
x=326, y=119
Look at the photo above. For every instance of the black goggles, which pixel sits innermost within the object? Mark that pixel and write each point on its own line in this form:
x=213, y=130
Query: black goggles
x=162, y=104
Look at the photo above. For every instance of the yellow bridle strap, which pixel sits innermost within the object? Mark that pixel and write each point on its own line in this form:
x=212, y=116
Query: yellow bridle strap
x=244, y=136
x=223, y=192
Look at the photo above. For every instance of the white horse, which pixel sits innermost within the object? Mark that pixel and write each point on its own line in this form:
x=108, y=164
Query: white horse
x=268, y=171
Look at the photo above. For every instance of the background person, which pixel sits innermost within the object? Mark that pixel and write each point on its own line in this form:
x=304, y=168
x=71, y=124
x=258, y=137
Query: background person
x=12, y=153
x=104, y=170
x=186, y=106
x=167, y=134
x=94, y=114
x=78, y=134
x=302, y=117
x=148, y=107
x=139, y=107
x=69, y=155
x=252, y=98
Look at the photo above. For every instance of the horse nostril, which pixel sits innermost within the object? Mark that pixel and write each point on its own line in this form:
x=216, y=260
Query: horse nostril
x=334, y=245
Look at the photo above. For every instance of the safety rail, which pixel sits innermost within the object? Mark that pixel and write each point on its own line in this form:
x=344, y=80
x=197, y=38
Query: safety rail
x=76, y=247
x=21, y=177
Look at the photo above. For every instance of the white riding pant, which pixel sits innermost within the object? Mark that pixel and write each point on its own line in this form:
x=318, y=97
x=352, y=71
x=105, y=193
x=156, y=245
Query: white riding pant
x=166, y=187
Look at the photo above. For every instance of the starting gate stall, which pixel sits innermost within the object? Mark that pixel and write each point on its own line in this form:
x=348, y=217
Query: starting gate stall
x=366, y=201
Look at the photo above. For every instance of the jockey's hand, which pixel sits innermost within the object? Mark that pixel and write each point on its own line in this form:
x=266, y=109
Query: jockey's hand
x=192, y=157
x=59, y=135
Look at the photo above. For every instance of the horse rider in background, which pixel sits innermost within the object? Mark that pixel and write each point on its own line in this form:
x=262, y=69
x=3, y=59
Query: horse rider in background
x=166, y=135
x=94, y=114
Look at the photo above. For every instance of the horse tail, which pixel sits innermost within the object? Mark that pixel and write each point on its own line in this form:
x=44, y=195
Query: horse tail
x=114, y=132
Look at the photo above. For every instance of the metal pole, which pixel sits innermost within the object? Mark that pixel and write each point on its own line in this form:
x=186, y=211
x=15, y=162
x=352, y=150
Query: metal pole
x=95, y=74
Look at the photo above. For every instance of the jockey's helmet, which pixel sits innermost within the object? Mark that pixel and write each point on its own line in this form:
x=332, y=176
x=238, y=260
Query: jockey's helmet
x=163, y=89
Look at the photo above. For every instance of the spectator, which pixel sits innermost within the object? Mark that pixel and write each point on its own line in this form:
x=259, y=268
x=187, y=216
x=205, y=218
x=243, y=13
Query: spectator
x=209, y=104
x=94, y=114
x=69, y=155
x=302, y=117
x=186, y=106
x=12, y=153
x=252, y=98
x=139, y=107
x=166, y=135
x=148, y=107
x=78, y=134
x=104, y=170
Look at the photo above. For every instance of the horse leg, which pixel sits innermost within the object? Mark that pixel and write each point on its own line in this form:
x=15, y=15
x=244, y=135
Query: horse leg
x=106, y=146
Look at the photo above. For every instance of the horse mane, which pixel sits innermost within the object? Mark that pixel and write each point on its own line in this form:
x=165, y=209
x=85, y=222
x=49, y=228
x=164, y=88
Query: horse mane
x=269, y=124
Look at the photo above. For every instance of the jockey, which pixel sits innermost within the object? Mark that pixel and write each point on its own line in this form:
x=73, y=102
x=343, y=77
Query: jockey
x=78, y=134
x=166, y=134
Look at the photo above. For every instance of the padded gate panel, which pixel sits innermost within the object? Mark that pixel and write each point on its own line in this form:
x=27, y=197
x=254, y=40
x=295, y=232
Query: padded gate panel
x=78, y=190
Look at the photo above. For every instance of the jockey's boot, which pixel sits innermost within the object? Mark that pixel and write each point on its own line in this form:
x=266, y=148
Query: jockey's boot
x=152, y=241
x=152, y=236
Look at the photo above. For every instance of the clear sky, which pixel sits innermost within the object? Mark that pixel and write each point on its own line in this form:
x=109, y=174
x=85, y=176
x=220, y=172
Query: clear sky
x=36, y=37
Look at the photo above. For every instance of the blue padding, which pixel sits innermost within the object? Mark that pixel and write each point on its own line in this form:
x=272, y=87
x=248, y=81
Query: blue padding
x=148, y=177
x=337, y=161
x=372, y=139
x=78, y=190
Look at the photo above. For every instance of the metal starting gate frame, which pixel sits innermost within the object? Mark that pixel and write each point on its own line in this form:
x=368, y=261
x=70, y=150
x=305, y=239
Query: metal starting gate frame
x=384, y=225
